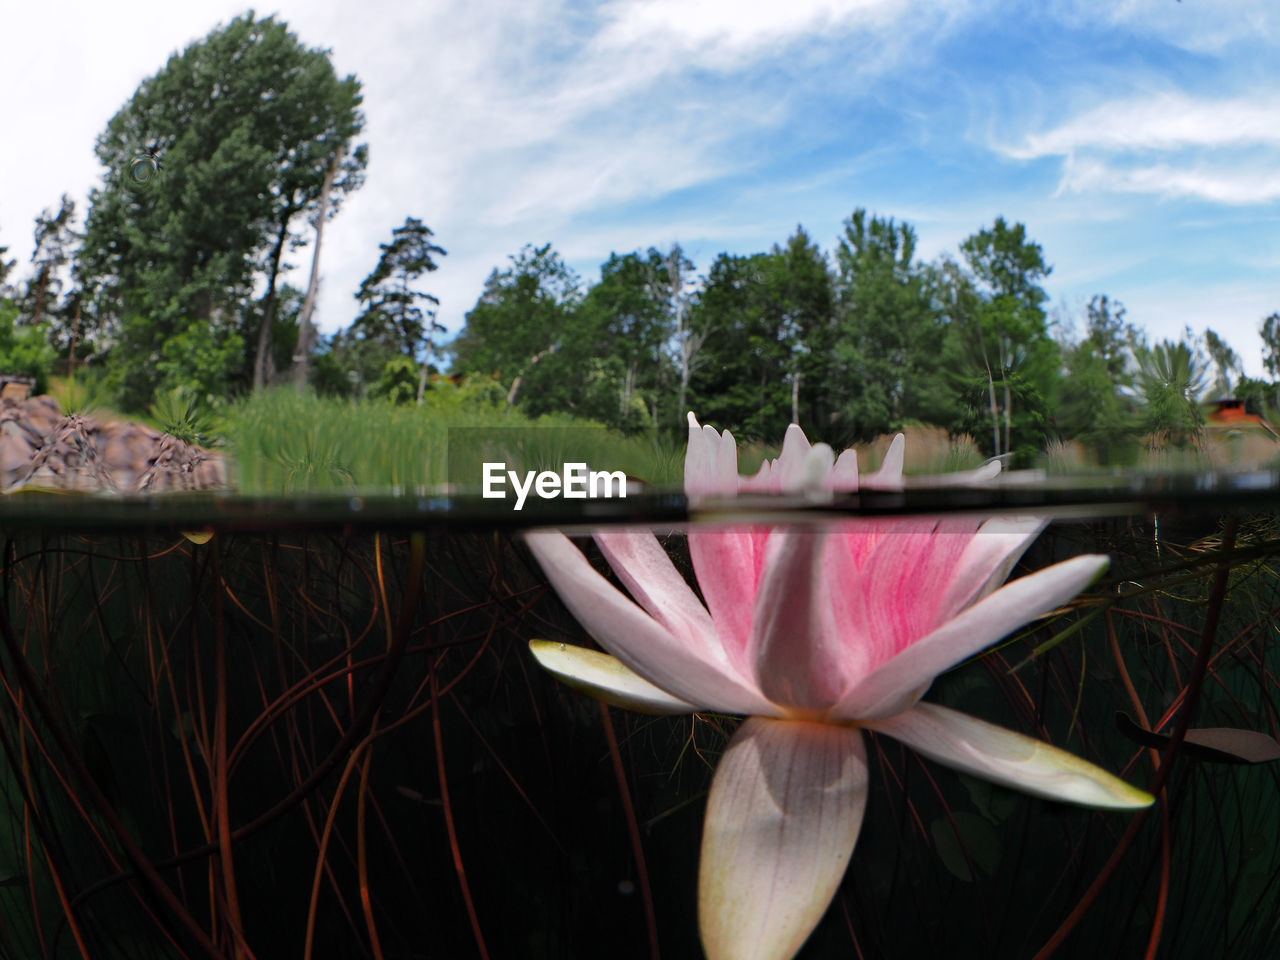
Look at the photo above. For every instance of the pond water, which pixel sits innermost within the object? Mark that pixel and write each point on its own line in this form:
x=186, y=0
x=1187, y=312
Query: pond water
x=320, y=732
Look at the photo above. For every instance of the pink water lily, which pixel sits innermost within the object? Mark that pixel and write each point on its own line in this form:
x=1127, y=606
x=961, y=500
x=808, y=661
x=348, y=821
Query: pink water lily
x=814, y=635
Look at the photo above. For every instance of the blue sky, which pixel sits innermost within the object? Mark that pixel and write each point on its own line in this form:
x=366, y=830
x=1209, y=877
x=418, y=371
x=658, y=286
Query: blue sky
x=1138, y=140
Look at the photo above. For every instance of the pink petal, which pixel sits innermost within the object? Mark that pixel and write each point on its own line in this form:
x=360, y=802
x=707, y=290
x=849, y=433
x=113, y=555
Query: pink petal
x=784, y=812
x=653, y=581
x=797, y=651
x=897, y=684
x=727, y=562
x=637, y=639
x=1005, y=757
x=988, y=560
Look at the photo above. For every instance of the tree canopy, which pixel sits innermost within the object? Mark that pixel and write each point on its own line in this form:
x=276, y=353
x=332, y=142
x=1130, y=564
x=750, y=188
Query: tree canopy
x=246, y=124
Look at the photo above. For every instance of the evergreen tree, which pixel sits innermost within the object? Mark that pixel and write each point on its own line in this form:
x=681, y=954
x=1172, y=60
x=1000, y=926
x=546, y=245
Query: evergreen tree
x=392, y=317
x=55, y=238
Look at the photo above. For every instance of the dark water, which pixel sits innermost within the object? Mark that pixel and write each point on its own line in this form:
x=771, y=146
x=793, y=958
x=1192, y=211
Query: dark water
x=323, y=730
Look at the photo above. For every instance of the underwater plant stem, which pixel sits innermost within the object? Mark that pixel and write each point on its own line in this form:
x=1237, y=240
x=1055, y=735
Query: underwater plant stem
x=1216, y=596
x=450, y=827
x=362, y=850
x=637, y=849
x=132, y=851
x=222, y=786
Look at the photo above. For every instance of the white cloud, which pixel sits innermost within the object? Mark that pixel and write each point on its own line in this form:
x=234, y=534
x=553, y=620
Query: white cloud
x=1169, y=144
x=1166, y=121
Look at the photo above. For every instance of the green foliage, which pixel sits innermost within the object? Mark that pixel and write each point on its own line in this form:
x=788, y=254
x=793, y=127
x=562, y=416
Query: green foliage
x=181, y=412
x=1096, y=403
x=24, y=350
x=248, y=122
x=283, y=440
x=398, y=383
x=201, y=359
x=887, y=349
x=392, y=316
x=1172, y=378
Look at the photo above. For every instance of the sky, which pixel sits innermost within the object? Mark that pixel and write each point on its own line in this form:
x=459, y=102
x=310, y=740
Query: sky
x=1137, y=140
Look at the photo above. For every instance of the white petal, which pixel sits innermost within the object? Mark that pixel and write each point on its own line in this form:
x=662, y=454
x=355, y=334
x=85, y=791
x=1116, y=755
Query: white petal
x=889, y=476
x=637, y=639
x=899, y=682
x=1005, y=757
x=605, y=678
x=785, y=808
x=844, y=474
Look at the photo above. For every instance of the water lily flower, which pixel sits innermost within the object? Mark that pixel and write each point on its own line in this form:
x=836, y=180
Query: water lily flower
x=813, y=635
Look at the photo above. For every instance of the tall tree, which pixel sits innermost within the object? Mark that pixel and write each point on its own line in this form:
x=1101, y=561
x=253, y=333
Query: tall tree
x=888, y=347
x=760, y=372
x=1096, y=404
x=392, y=313
x=1270, y=340
x=1008, y=268
x=629, y=316
x=523, y=317
x=246, y=123
x=1225, y=365
x=55, y=239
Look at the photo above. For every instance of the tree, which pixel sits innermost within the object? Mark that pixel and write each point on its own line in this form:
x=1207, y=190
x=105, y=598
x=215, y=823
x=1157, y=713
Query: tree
x=1172, y=377
x=55, y=237
x=523, y=317
x=629, y=317
x=5, y=267
x=247, y=123
x=1096, y=404
x=1270, y=340
x=1012, y=334
x=1225, y=364
x=760, y=372
x=391, y=315
x=888, y=344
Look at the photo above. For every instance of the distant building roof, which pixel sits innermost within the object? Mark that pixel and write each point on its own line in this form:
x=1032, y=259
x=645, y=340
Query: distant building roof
x=1231, y=413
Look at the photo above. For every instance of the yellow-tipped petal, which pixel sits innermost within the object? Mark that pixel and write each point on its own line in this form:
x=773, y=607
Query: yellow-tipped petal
x=785, y=808
x=605, y=678
x=1002, y=756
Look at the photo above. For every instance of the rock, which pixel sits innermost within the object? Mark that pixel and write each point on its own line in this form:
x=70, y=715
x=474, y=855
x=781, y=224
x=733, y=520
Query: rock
x=42, y=449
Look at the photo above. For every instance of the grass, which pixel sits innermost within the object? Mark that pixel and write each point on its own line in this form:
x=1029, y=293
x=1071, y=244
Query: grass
x=282, y=441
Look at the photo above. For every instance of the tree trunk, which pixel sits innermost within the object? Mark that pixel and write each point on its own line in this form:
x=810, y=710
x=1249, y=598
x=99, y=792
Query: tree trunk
x=306, y=333
x=795, y=397
x=515, y=384
x=41, y=287
x=261, y=360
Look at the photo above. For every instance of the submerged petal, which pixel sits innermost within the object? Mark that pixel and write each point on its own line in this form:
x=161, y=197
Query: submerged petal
x=898, y=683
x=1005, y=757
x=605, y=678
x=647, y=572
x=796, y=649
x=636, y=638
x=784, y=812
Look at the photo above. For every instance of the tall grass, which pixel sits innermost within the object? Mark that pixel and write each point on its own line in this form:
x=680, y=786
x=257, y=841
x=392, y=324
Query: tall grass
x=282, y=441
